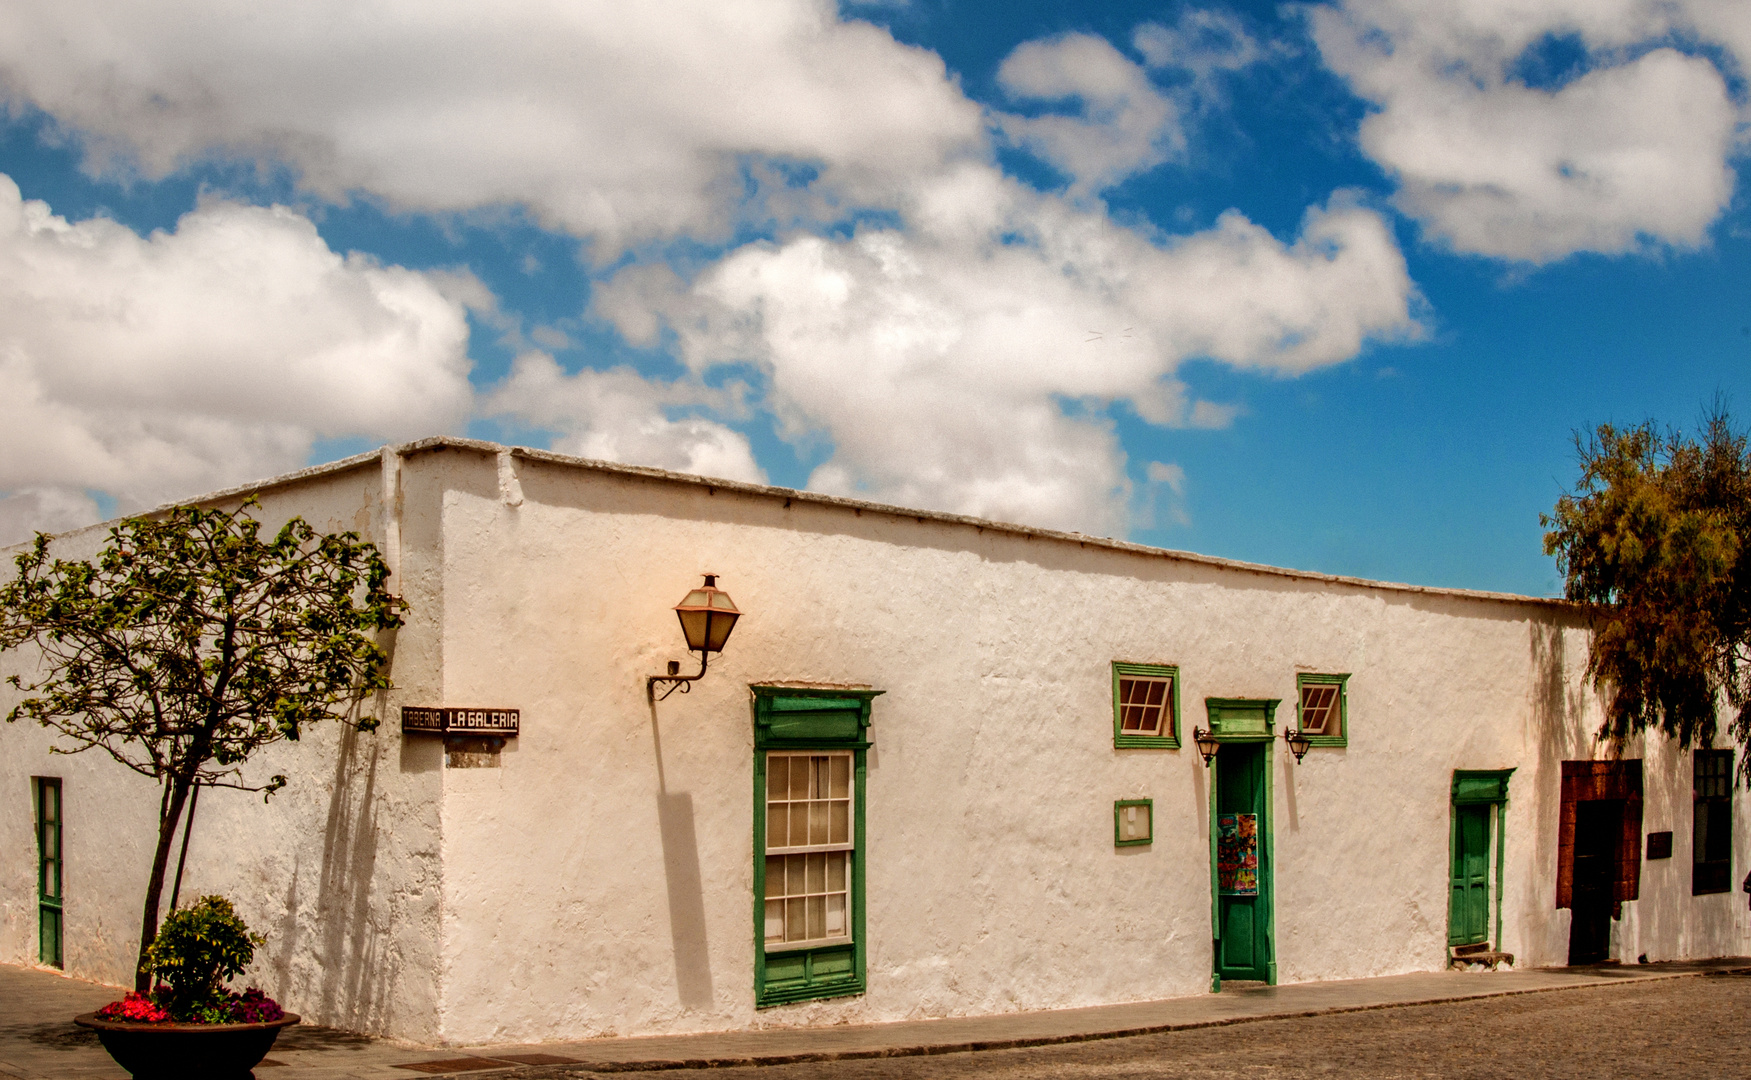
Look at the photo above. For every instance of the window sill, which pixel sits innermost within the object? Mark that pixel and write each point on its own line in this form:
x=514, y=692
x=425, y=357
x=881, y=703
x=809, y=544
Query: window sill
x=805, y=946
x=1145, y=742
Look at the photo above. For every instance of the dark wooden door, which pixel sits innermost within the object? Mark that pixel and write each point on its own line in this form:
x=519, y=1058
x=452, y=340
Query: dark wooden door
x=1598, y=845
x=1243, y=944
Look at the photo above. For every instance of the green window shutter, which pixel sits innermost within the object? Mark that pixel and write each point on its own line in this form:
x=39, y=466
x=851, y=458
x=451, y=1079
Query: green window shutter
x=804, y=733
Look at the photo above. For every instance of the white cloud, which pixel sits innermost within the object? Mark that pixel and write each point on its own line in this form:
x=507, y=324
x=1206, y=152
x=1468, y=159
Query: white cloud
x=964, y=357
x=607, y=120
x=159, y=367
x=1125, y=126
x=1166, y=472
x=619, y=415
x=966, y=364
x=1202, y=42
x=1631, y=153
x=49, y=510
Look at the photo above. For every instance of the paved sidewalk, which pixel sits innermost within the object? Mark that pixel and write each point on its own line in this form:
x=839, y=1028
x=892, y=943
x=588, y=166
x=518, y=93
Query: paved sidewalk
x=38, y=1041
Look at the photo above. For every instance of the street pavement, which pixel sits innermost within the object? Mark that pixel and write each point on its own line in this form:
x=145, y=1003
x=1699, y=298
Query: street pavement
x=1655, y=1020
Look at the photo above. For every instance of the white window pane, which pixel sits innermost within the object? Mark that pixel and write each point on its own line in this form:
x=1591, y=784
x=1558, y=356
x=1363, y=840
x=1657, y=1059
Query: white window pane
x=818, y=831
x=794, y=927
x=775, y=920
x=799, y=779
x=836, y=863
x=817, y=916
x=841, y=777
x=840, y=832
x=775, y=876
x=777, y=776
x=817, y=873
x=777, y=825
x=836, y=915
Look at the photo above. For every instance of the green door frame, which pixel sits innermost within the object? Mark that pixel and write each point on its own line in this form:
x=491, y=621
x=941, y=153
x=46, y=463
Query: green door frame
x=1246, y=720
x=1478, y=787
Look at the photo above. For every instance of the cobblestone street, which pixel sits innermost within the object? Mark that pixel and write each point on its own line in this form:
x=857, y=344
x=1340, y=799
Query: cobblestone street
x=1695, y=1027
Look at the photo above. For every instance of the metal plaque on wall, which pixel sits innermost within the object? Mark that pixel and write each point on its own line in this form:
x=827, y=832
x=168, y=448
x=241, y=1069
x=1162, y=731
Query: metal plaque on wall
x=422, y=720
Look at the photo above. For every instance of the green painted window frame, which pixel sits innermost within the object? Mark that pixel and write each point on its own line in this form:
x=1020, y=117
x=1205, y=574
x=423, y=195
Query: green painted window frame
x=1342, y=682
x=1119, y=806
x=1125, y=741
x=788, y=719
x=51, y=867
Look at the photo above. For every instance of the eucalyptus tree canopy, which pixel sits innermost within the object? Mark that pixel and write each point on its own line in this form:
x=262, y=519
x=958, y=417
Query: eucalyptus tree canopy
x=189, y=642
x=1654, y=542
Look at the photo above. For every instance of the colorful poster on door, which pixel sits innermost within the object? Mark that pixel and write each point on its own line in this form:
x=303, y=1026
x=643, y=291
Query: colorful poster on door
x=1237, y=854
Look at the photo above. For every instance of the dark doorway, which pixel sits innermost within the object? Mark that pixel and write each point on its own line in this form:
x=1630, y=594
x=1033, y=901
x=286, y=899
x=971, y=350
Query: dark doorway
x=1598, y=846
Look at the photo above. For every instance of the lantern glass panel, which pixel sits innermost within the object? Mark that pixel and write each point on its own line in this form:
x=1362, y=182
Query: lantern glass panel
x=718, y=627
x=693, y=625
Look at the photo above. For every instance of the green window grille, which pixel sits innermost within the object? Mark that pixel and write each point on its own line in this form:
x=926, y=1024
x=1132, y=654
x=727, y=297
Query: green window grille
x=49, y=869
x=1712, y=823
x=810, y=936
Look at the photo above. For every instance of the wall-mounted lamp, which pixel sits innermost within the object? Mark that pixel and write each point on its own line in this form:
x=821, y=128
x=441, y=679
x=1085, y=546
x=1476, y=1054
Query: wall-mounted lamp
x=1298, y=744
x=1207, y=744
x=707, y=616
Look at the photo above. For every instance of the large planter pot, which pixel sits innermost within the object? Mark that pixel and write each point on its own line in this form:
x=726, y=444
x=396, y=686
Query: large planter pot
x=187, y=1051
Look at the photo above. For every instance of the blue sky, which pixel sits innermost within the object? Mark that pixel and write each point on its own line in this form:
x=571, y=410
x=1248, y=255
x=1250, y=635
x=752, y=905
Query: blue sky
x=1324, y=286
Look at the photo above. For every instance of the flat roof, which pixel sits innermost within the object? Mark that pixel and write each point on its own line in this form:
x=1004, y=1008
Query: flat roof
x=450, y=442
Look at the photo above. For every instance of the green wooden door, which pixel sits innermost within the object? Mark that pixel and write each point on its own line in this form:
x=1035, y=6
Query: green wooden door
x=1468, y=904
x=1243, y=924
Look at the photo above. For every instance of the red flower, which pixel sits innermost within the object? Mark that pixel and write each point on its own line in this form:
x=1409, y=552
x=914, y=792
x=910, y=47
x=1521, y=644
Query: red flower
x=133, y=1009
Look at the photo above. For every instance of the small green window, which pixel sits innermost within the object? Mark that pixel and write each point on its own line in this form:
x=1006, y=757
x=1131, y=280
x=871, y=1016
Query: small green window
x=48, y=887
x=1133, y=822
x=1145, y=706
x=1322, y=709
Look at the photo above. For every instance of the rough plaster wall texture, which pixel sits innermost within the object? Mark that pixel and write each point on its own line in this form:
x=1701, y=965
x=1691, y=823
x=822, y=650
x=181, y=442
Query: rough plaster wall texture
x=590, y=891
x=334, y=869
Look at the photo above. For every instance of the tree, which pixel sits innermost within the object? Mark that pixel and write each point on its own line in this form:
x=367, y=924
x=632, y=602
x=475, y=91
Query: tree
x=189, y=643
x=1654, y=543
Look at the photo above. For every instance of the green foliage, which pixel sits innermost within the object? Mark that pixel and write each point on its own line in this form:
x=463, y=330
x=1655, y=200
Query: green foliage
x=197, y=949
x=189, y=641
x=1651, y=543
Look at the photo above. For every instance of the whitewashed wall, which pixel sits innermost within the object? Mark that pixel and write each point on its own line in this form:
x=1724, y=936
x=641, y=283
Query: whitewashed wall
x=340, y=869
x=599, y=880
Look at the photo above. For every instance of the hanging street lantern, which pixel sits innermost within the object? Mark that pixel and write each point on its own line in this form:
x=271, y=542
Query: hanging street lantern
x=1298, y=744
x=1207, y=744
x=707, y=616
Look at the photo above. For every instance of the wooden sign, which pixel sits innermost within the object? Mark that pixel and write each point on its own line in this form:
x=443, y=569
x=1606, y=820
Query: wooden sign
x=420, y=720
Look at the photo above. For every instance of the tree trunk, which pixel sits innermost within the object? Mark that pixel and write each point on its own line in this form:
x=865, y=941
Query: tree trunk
x=155, y=886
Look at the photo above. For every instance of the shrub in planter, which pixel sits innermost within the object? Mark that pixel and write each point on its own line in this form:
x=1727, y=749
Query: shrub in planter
x=190, y=1025
x=197, y=950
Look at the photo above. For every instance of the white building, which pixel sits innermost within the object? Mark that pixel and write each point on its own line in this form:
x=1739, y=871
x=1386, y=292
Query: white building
x=942, y=695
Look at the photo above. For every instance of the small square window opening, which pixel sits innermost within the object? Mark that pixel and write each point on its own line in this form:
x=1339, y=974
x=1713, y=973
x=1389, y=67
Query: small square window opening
x=1133, y=822
x=1323, y=708
x=1145, y=706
